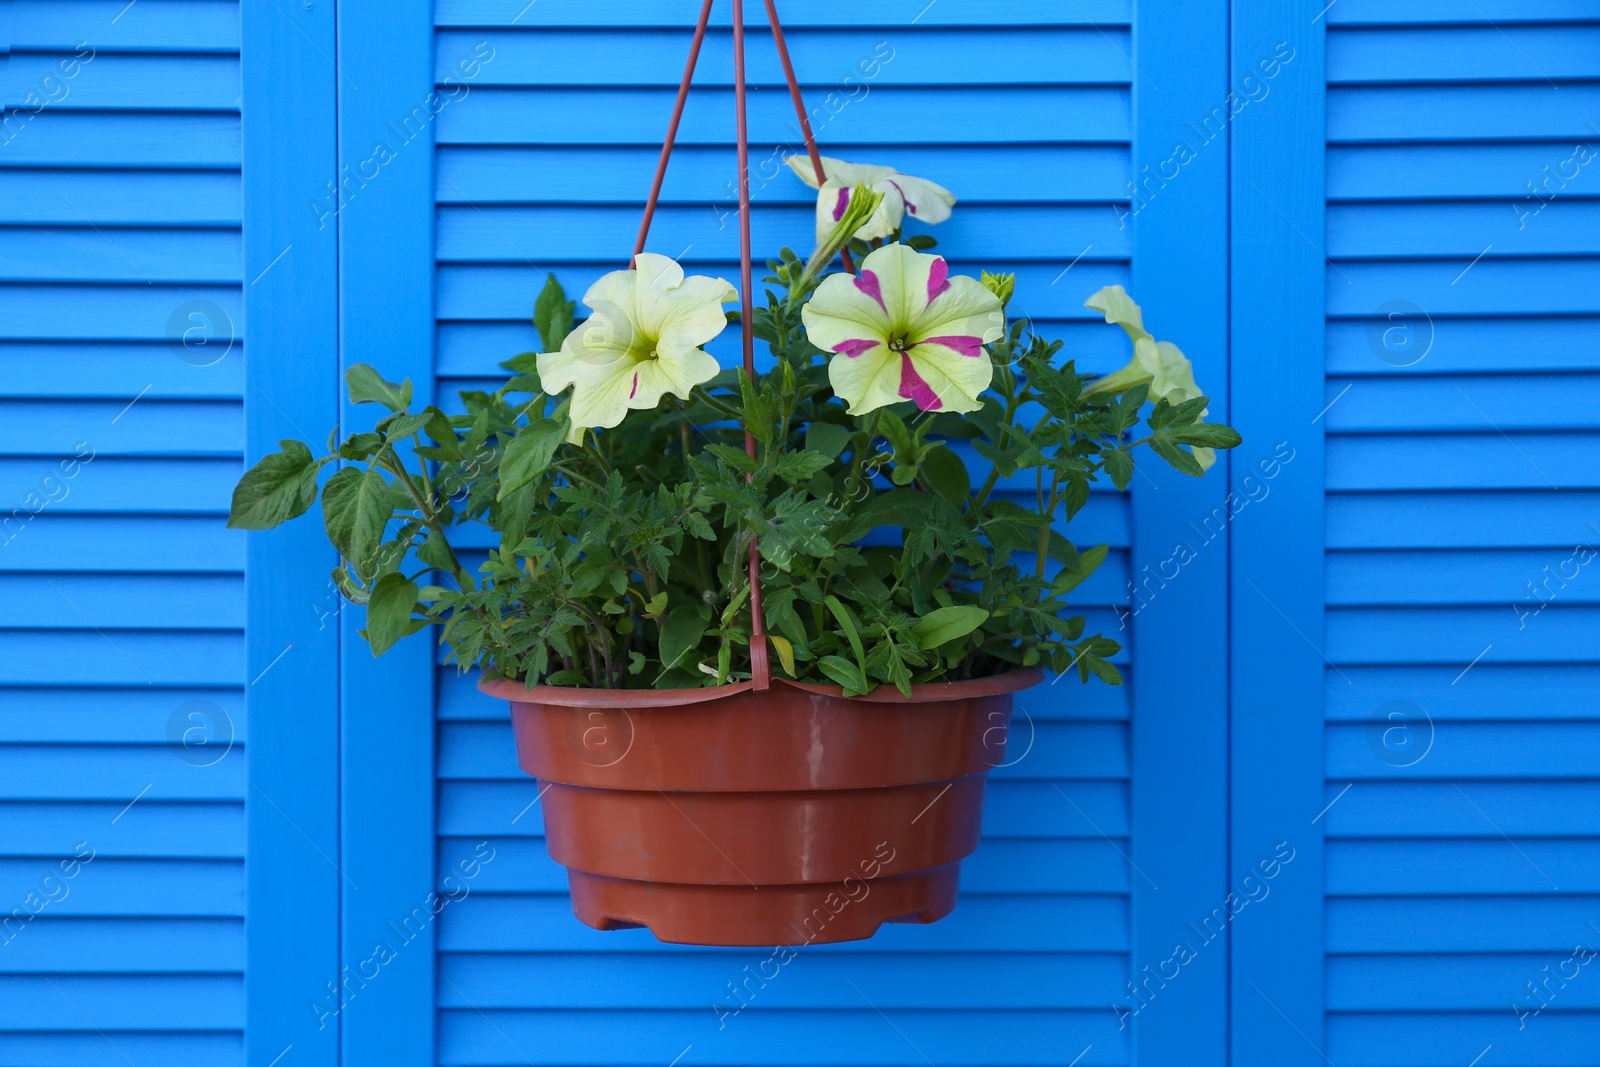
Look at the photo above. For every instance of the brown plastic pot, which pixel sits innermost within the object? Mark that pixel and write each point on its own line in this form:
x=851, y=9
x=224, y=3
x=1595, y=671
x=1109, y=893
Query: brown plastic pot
x=792, y=816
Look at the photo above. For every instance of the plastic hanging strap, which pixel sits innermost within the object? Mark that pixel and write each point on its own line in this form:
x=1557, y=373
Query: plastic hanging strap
x=760, y=664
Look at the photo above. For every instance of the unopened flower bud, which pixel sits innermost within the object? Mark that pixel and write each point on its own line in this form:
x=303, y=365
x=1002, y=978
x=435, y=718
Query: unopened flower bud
x=1001, y=285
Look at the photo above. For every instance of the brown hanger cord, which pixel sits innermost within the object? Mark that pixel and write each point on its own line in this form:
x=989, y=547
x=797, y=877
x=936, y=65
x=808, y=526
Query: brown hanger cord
x=760, y=666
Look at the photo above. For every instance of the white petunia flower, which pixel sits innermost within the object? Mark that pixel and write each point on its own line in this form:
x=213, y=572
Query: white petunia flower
x=901, y=194
x=644, y=339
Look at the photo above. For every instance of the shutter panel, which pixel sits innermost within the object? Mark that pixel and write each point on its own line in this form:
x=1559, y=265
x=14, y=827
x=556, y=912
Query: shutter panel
x=121, y=652
x=1024, y=112
x=1461, y=864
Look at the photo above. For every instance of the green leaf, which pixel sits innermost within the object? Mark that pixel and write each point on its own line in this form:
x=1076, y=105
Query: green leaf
x=944, y=473
x=282, y=486
x=443, y=434
x=828, y=438
x=1105, y=671
x=847, y=623
x=1004, y=459
x=367, y=386
x=847, y=674
x=552, y=314
x=897, y=507
x=359, y=446
x=1206, y=435
x=435, y=552
x=680, y=634
x=529, y=453
x=797, y=467
x=389, y=612
x=403, y=425
x=1087, y=563
x=737, y=458
x=515, y=515
x=1175, y=455
x=355, y=509
x=1119, y=464
x=947, y=624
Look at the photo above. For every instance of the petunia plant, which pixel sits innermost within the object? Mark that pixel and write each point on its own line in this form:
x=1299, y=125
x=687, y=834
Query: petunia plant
x=918, y=460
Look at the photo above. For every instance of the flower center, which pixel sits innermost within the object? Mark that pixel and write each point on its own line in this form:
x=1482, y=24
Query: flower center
x=899, y=343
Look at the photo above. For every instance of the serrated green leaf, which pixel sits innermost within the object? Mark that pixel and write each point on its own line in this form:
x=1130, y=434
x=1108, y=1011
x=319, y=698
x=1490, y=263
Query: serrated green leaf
x=280, y=487
x=443, y=434
x=1004, y=459
x=1119, y=465
x=528, y=454
x=797, y=467
x=355, y=510
x=1206, y=435
x=1175, y=455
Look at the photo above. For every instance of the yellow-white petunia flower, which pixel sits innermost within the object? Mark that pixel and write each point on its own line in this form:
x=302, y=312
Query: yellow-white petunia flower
x=901, y=193
x=644, y=339
x=1159, y=364
x=904, y=329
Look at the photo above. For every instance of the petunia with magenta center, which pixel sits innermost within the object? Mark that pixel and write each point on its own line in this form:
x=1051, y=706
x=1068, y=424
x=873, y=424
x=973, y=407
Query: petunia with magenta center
x=905, y=329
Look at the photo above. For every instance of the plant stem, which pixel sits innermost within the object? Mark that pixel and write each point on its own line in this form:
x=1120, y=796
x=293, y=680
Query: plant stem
x=858, y=462
x=394, y=466
x=1044, y=531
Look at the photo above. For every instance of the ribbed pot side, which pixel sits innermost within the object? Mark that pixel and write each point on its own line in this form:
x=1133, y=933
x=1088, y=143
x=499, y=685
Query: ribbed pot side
x=786, y=817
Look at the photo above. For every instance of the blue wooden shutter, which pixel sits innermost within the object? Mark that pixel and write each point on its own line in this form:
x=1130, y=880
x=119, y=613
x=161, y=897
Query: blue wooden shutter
x=121, y=595
x=1462, y=291
x=1025, y=112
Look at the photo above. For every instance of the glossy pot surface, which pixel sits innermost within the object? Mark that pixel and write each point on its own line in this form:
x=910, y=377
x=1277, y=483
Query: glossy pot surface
x=729, y=816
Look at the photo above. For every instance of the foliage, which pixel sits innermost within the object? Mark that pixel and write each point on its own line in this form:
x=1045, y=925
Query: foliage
x=620, y=562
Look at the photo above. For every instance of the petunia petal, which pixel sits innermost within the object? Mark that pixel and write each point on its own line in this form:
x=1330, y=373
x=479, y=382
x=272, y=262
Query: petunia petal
x=963, y=309
x=1117, y=306
x=955, y=379
x=926, y=201
x=834, y=196
x=841, y=311
x=673, y=309
x=681, y=368
x=836, y=170
x=915, y=389
x=643, y=340
x=1173, y=374
x=868, y=381
x=856, y=346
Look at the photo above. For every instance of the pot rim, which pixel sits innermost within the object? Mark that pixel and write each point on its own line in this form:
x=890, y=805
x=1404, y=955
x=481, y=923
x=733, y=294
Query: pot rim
x=573, y=697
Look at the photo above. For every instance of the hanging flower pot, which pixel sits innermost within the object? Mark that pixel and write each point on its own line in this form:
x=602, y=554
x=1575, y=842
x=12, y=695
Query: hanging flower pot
x=728, y=816
x=662, y=525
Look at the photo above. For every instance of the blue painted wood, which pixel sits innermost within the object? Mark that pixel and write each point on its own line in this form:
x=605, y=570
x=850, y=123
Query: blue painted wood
x=1176, y=595
x=1423, y=532
x=294, y=884
x=1276, y=588
x=125, y=600
x=385, y=231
